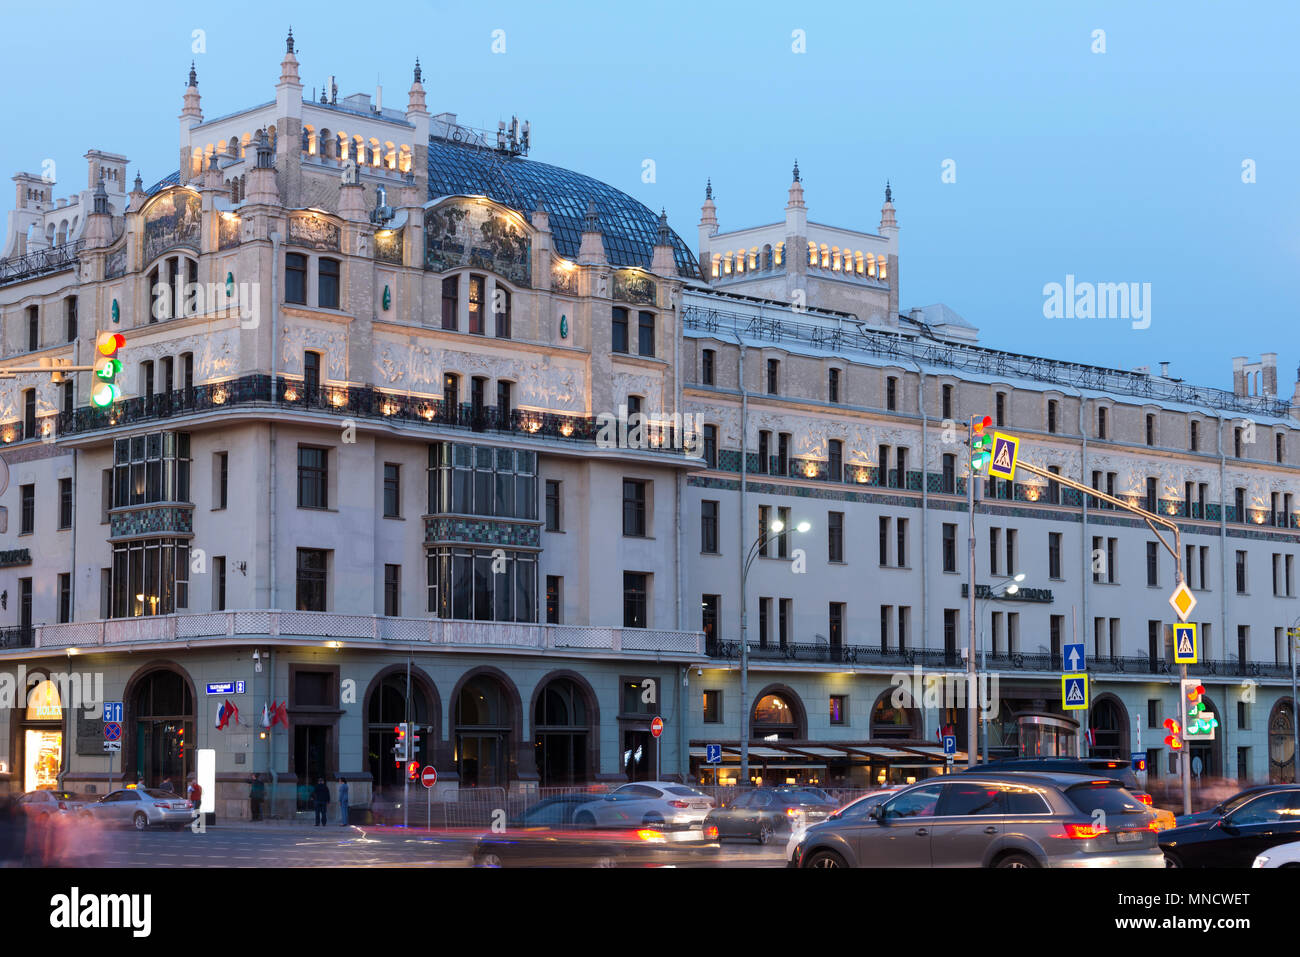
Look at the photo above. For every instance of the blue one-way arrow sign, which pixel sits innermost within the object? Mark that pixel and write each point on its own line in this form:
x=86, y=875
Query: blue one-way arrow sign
x=1074, y=658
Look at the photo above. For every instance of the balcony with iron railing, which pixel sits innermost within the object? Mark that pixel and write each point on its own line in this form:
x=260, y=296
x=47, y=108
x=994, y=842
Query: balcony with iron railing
x=872, y=656
x=39, y=262
x=369, y=631
x=364, y=402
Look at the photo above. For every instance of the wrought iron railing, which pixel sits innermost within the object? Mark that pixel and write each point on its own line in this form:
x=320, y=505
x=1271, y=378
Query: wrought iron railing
x=40, y=262
x=17, y=636
x=353, y=401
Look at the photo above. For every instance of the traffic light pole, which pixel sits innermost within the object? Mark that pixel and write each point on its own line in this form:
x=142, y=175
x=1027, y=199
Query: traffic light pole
x=972, y=745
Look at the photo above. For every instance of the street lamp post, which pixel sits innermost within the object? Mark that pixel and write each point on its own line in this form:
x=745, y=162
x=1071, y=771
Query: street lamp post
x=778, y=527
x=1293, y=633
x=1009, y=586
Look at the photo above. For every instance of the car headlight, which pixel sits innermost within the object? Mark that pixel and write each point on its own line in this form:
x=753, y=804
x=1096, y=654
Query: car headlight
x=1261, y=861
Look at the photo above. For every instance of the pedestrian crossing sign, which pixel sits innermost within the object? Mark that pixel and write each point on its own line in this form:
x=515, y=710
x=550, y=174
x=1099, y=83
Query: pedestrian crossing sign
x=1185, y=644
x=1074, y=692
x=1003, y=463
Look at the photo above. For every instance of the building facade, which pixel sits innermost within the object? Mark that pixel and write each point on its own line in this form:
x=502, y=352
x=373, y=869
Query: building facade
x=397, y=400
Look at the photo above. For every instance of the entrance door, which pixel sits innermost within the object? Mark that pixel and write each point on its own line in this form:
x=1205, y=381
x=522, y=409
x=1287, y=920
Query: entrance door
x=161, y=752
x=480, y=764
x=638, y=755
x=310, y=748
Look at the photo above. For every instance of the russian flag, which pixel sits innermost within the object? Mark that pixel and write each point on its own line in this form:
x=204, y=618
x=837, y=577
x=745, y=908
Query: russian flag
x=222, y=715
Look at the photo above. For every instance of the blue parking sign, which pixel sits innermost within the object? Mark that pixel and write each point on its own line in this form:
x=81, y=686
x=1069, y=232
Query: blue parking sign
x=713, y=754
x=949, y=745
x=113, y=711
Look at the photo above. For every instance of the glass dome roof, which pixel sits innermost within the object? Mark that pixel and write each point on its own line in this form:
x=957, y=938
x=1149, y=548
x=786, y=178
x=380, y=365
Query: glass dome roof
x=629, y=227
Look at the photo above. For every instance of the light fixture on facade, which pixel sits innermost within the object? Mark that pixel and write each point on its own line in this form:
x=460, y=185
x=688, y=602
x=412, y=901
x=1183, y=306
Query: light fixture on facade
x=566, y=429
x=219, y=397
x=290, y=395
x=810, y=470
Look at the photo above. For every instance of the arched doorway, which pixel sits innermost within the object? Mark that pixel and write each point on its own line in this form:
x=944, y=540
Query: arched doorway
x=1109, y=723
x=777, y=712
x=1281, y=742
x=562, y=733
x=40, y=734
x=162, y=707
x=385, y=710
x=1208, y=753
x=485, y=728
x=892, y=716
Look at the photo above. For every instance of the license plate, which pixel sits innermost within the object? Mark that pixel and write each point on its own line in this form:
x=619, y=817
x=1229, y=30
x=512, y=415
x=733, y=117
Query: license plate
x=1128, y=837
x=178, y=807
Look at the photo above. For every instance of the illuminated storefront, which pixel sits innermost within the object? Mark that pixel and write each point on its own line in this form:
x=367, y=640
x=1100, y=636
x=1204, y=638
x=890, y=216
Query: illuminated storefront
x=41, y=737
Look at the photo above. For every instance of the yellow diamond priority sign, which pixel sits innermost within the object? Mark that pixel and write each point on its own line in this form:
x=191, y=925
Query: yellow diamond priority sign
x=1183, y=601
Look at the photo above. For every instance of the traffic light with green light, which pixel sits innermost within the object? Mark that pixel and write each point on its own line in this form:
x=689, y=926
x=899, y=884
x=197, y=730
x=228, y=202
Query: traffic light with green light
x=981, y=443
x=104, y=390
x=1198, y=722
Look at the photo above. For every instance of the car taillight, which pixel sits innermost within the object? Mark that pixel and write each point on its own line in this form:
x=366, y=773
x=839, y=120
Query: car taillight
x=678, y=804
x=653, y=836
x=63, y=805
x=1143, y=797
x=161, y=804
x=794, y=811
x=711, y=833
x=1083, y=832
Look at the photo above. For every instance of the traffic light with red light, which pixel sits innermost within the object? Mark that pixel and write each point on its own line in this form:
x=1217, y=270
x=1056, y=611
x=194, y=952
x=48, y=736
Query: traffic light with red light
x=402, y=746
x=1174, y=739
x=104, y=390
x=1198, y=722
x=412, y=770
x=981, y=443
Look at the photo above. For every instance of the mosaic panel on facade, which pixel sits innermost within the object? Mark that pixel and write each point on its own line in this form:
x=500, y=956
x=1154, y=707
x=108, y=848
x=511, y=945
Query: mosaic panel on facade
x=465, y=233
x=173, y=219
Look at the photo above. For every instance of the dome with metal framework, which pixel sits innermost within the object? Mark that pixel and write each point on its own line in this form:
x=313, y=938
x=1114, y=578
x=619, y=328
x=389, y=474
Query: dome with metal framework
x=630, y=228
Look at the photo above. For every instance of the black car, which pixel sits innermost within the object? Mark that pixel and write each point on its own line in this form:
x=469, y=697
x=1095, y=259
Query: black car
x=545, y=835
x=1120, y=771
x=1233, y=839
x=763, y=813
x=1227, y=806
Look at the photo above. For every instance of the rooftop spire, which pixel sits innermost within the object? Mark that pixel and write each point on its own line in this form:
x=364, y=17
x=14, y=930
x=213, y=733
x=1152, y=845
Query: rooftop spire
x=796, y=171
x=663, y=227
x=591, y=222
x=889, y=196
x=194, y=77
x=288, y=44
x=708, y=189
x=419, y=77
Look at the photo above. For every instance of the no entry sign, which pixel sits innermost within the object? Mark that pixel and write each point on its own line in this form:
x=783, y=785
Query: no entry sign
x=429, y=776
x=657, y=726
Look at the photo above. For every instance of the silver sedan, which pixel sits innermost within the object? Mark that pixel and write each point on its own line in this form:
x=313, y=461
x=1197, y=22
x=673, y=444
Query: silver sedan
x=141, y=809
x=662, y=804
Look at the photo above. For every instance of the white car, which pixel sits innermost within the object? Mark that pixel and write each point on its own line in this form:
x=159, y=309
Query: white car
x=141, y=808
x=662, y=804
x=1283, y=855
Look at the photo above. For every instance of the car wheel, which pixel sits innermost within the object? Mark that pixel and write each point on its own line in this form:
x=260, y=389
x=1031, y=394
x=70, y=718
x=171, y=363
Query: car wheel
x=826, y=859
x=140, y=821
x=765, y=833
x=1017, y=860
x=1172, y=861
x=585, y=819
x=488, y=859
x=1289, y=866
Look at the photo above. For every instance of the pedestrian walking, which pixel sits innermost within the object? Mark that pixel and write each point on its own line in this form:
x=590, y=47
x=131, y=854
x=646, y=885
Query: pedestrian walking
x=194, y=793
x=256, y=795
x=343, y=802
x=167, y=784
x=322, y=798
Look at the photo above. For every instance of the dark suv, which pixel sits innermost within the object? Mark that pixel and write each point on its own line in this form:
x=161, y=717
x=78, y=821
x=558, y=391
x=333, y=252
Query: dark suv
x=1120, y=771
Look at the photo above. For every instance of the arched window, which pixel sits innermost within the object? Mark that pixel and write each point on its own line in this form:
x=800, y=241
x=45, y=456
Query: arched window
x=562, y=729
x=777, y=711
x=835, y=258
x=767, y=256
x=484, y=727
x=826, y=256
x=1109, y=724
x=385, y=711
x=717, y=265
x=812, y=253
x=1281, y=742
x=162, y=743
x=895, y=717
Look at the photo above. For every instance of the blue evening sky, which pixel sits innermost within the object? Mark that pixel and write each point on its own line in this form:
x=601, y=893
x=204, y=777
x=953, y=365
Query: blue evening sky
x=1117, y=167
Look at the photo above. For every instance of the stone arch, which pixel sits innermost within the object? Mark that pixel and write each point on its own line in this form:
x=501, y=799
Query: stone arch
x=1281, y=741
x=887, y=720
x=798, y=714
x=509, y=733
x=593, y=725
x=1109, y=721
x=130, y=757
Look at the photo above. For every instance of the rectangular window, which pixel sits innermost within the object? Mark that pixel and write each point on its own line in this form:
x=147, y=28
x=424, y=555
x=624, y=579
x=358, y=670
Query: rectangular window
x=1195, y=436
x=554, y=598
x=219, y=583
x=904, y=624
x=709, y=613
x=711, y=446
x=886, y=627
x=65, y=597
x=1241, y=573
x=1052, y=408
x=552, y=505
x=835, y=536
x=1154, y=717
x=70, y=317
x=764, y=621
x=765, y=533
x=1013, y=632
x=1236, y=443
x=948, y=478
x=1000, y=409
x=392, y=590
x=833, y=385
x=835, y=460
x=327, y=283
x=392, y=490
x=151, y=468
x=839, y=709
x=995, y=543
x=835, y=624
x=783, y=453
x=645, y=327
x=313, y=566
x=27, y=510
x=1243, y=643
x=1280, y=441
x=635, y=599
x=618, y=330
x=1012, y=552
x=477, y=285
x=784, y=618
x=1153, y=563
x=1055, y=626
x=1054, y=555
x=105, y=497
x=295, y=278
x=712, y=707
x=221, y=478
x=783, y=538
x=946, y=402
x=949, y=547
x=950, y=635
x=1151, y=429
x=882, y=466
x=709, y=527
x=884, y=540
x=451, y=303
x=773, y=371
x=1112, y=560
x=505, y=398
x=1101, y=423
x=891, y=393
x=33, y=328
x=901, y=524
x=501, y=306
x=764, y=450
x=313, y=477
x=634, y=508
x=65, y=503
x=708, y=358
x=995, y=629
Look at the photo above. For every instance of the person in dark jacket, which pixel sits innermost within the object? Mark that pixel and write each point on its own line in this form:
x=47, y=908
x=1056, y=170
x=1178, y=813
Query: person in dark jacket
x=256, y=795
x=322, y=798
